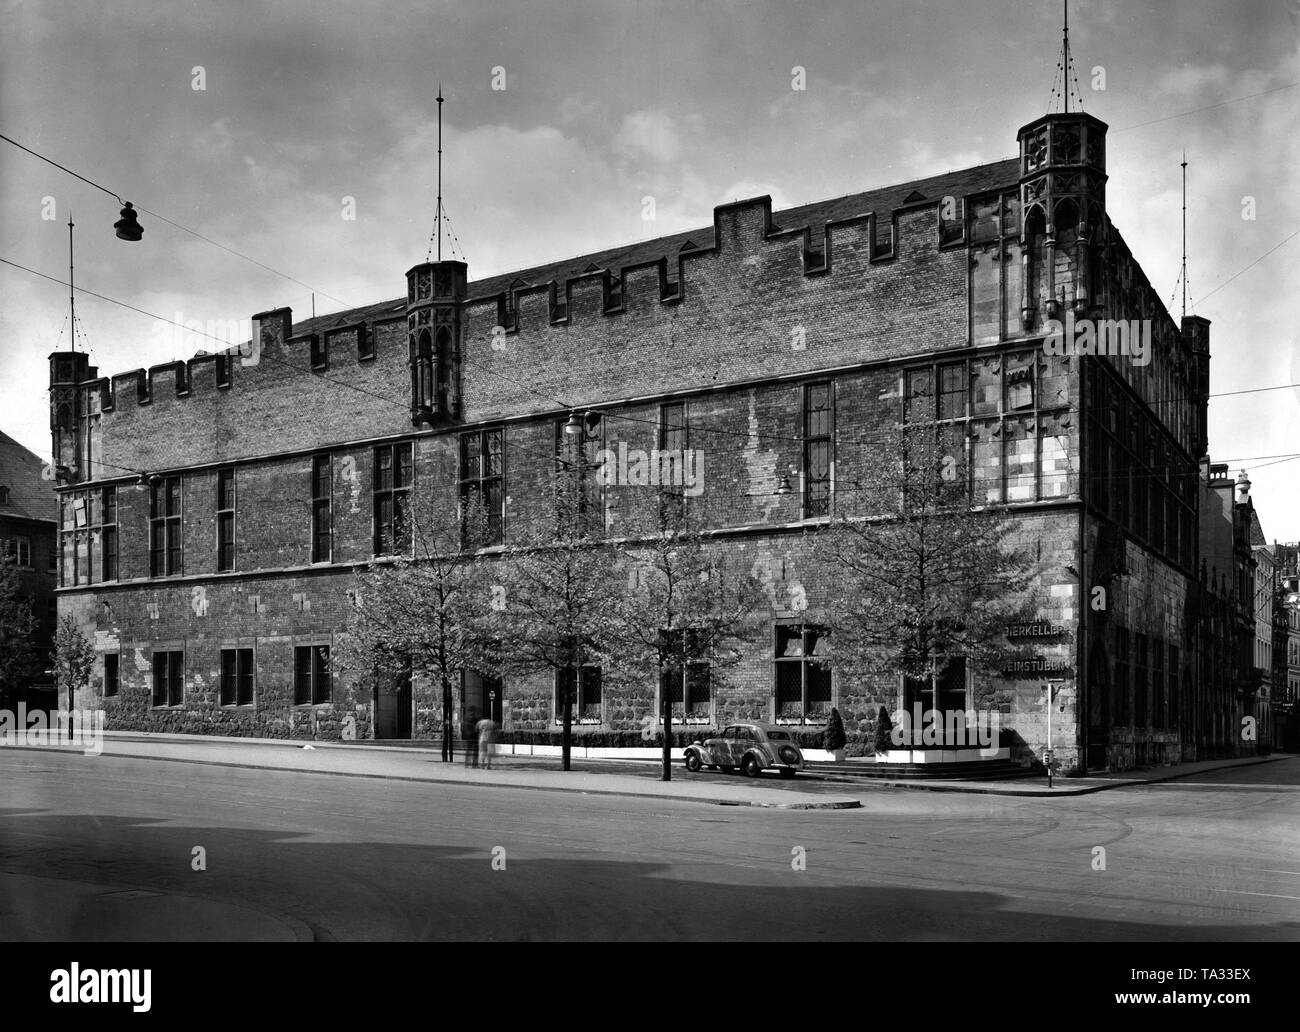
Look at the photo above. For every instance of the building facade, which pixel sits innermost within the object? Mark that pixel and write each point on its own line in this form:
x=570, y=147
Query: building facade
x=220, y=507
x=28, y=529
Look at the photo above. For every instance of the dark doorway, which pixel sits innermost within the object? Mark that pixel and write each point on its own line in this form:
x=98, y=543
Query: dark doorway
x=481, y=696
x=1099, y=704
x=393, y=705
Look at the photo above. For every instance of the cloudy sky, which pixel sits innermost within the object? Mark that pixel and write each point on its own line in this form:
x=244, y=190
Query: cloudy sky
x=305, y=105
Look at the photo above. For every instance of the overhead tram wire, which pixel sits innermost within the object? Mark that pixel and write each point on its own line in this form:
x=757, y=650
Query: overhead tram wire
x=220, y=340
x=1207, y=107
x=170, y=222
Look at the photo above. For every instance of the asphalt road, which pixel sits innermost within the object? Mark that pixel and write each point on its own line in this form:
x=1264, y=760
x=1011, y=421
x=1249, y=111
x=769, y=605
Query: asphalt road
x=95, y=848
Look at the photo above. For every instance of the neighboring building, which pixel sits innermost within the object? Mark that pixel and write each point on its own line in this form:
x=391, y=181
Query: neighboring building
x=1225, y=684
x=1286, y=648
x=219, y=506
x=1263, y=601
x=28, y=525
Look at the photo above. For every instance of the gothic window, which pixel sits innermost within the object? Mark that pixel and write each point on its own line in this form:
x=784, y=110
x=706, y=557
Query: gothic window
x=482, y=484
x=674, y=446
x=444, y=371
x=818, y=448
x=225, y=519
x=580, y=496
x=393, y=475
x=165, y=527
x=321, y=508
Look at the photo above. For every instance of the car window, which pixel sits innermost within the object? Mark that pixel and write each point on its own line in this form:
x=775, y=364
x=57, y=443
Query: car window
x=745, y=734
x=778, y=736
x=729, y=732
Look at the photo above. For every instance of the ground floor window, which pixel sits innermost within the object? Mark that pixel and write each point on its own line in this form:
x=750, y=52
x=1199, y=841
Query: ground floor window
x=311, y=674
x=948, y=692
x=111, y=675
x=803, y=674
x=684, y=681
x=168, y=678
x=583, y=687
x=236, y=677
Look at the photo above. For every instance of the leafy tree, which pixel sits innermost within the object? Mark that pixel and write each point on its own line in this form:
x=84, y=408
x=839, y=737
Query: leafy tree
x=918, y=573
x=20, y=660
x=557, y=582
x=681, y=605
x=74, y=659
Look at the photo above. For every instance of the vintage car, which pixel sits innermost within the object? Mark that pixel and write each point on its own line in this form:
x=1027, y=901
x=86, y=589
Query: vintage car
x=752, y=747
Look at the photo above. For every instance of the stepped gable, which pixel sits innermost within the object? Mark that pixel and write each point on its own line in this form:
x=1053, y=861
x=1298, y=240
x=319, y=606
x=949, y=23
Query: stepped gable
x=30, y=496
x=961, y=183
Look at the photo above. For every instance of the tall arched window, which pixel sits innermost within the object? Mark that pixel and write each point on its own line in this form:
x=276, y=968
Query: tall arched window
x=423, y=376
x=444, y=372
x=1034, y=287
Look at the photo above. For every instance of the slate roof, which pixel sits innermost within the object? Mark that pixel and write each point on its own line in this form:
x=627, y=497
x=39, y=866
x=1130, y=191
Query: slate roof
x=30, y=497
x=974, y=180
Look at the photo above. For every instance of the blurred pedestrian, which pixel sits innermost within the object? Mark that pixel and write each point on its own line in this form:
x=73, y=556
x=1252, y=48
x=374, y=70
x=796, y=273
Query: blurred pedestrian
x=470, y=731
x=486, y=738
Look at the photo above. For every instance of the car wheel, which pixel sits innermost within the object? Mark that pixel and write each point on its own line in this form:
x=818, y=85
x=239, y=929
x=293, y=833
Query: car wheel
x=726, y=769
x=751, y=768
x=788, y=772
x=693, y=762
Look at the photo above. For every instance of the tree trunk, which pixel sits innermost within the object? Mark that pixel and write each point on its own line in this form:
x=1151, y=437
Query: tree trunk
x=566, y=734
x=668, y=733
x=448, y=742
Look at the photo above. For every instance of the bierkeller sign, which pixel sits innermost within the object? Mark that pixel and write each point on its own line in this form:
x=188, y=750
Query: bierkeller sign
x=1031, y=664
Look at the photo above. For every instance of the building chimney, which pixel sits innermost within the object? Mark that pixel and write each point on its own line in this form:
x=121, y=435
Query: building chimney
x=1243, y=488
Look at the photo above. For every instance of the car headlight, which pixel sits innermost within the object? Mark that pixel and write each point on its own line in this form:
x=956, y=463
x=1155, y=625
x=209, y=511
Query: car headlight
x=789, y=754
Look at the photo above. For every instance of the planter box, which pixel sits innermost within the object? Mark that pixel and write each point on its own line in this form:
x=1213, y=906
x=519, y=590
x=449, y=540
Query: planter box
x=943, y=755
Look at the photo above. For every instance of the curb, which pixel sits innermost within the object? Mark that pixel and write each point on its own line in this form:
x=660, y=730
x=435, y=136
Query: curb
x=1057, y=793
x=830, y=804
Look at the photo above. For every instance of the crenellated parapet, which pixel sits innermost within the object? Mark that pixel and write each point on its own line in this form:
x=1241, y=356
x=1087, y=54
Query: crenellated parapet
x=741, y=229
x=842, y=273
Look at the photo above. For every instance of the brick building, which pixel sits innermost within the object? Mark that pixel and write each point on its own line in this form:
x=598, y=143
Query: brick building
x=28, y=527
x=1226, y=609
x=219, y=506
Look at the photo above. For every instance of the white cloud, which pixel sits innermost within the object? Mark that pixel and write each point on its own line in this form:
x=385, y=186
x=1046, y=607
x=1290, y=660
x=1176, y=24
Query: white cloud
x=651, y=135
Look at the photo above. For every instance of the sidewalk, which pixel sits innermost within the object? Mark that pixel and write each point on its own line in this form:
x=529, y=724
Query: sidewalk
x=414, y=763
x=818, y=787
x=1061, y=786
